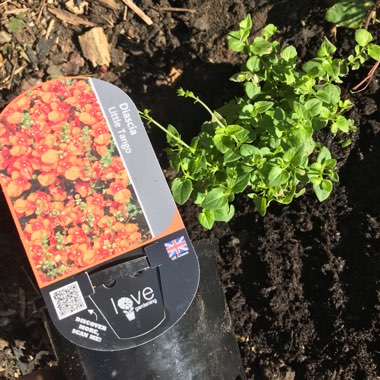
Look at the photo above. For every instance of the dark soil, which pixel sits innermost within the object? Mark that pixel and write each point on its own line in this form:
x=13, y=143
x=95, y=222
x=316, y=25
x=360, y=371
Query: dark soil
x=302, y=282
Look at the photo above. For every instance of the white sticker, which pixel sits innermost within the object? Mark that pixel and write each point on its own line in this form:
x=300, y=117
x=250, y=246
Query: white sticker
x=68, y=300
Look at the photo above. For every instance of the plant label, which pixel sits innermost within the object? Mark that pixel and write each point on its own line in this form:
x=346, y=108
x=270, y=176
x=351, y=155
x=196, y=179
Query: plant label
x=97, y=220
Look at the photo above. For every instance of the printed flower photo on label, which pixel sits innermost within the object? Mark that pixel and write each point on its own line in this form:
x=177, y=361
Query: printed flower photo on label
x=62, y=172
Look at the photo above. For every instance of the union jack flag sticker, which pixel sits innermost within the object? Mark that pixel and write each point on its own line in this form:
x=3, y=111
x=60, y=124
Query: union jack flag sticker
x=176, y=247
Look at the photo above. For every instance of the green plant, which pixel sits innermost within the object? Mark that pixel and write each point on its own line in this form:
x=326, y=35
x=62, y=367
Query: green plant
x=16, y=23
x=349, y=13
x=264, y=143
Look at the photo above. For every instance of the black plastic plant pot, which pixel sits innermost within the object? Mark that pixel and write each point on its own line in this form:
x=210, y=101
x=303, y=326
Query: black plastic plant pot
x=201, y=345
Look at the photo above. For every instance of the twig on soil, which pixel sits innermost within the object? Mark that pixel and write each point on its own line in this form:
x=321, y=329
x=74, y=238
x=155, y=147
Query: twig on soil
x=15, y=11
x=69, y=18
x=8, y=313
x=4, y=2
x=138, y=11
x=173, y=9
x=125, y=13
x=23, y=54
x=108, y=20
x=22, y=295
x=49, y=29
x=41, y=9
x=11, y=77
x=366, y=79
x=30, y=281
x=110, y=4
x=14, y=72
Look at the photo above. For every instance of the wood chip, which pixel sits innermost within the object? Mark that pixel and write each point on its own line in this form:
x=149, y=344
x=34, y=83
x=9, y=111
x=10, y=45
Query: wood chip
x=16, y=11
x=69, y=17
x=174, y=75
x=108, y=20
x=112, y=4
x=76, y=9
x=49, y=29
x=4, y=2
x=95, y=47
x=174, y=9
x=41, y=9
x=138, y=11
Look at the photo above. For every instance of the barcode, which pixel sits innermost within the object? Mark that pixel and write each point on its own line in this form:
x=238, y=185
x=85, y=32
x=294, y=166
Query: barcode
x=68, y=300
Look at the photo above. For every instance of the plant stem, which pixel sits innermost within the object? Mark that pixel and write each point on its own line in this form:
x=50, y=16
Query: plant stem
x=176, y=138
x=366, y=79
x=371, y=14
x=189, y=94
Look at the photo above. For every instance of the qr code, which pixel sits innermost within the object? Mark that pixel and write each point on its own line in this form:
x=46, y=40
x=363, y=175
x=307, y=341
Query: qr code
x=68, y=300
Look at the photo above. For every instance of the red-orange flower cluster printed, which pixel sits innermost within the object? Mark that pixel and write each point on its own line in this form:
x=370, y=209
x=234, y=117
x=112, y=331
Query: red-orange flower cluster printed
x=64, y=175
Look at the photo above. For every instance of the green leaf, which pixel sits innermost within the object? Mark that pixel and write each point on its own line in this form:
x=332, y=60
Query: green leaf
x=261, y=47
x=235, y=42
x=247, y=111
x=342, y=123
x=253, y=64
x=241, y=183
x=224, y=214
x=323, y=190
x=289, y=53
x=230, y=156
x=363, y=37
x=327, y=185
x=207, y=218
x=269, y=31
x=332, y=69
x=260, y=203
x=318, y=123
x=374, y=51
x=199, y=162
x=346, y=143
x=314, y=67
x=229, y=111
x=326, y=49
x=323, y=155
x=223, y=143
x=277, y=176
x=175, y=160
x=15, y=24
x=246, y=23
x=262, y=106
x=330, y=163
x=170, y=139
x=302, y=152
x=237, y=131
x=215, y=199
x=181, y=189
x=313, y=106
x=348, y=13
x=290, y=78
x=297, y=155
x=329, y=94
x=241, y=77
x=251, y=90
x=247, y=150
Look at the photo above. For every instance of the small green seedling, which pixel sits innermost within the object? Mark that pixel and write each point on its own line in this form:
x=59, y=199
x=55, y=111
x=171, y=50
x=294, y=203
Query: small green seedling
x=16, y=23
x=263, y=143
